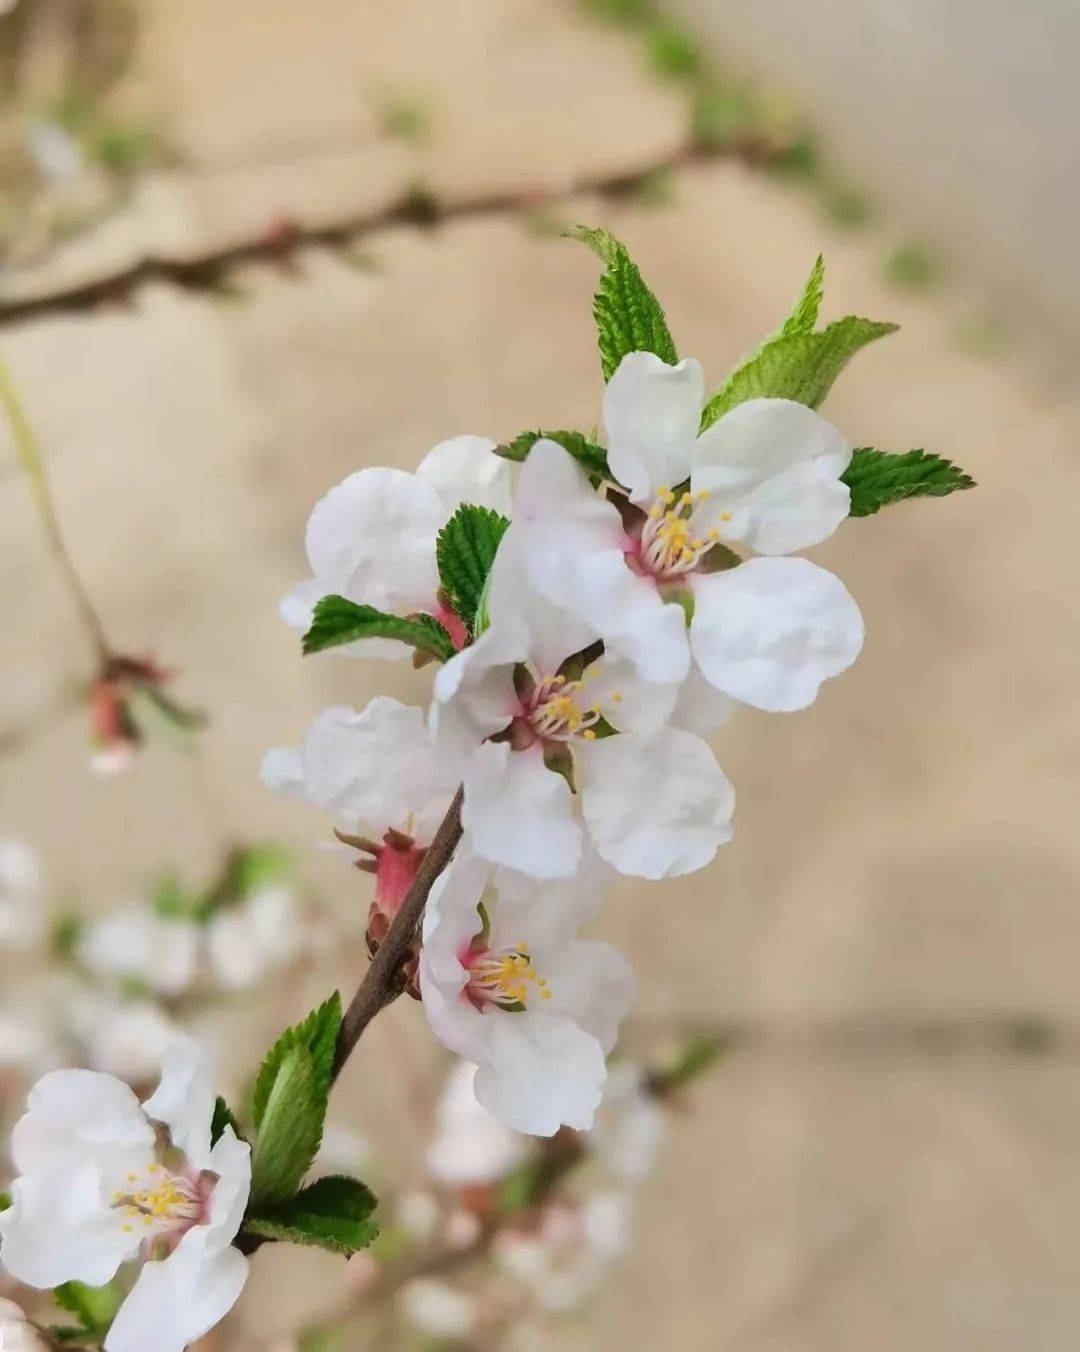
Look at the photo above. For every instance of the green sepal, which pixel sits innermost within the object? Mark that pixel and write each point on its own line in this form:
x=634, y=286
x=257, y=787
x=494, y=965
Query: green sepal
x=223, y=1117
x=337, y=621
x=877, y=478
x=589, y=456
x=464, y=551
x=800, y=366
x=94, y=1307
x=628, y=316
x=333, y=1213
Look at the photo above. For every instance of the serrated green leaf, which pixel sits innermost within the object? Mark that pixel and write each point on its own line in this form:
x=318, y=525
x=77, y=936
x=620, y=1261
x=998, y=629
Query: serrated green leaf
x=333, y=1213
x=799, y=366
x=628, y=316
x=465, y=551
x=289, y=1132
x=94, y=1307
x=590, y=456
x=805, y=314
x=877, y=478
x=337, y=621
x=223, y=1117
x=318, y=1034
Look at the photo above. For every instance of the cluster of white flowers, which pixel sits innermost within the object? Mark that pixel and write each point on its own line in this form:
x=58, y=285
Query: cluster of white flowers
x=620, y=625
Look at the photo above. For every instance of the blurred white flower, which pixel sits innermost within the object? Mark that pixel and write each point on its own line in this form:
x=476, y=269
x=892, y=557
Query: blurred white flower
x=571, y=1251
x=125, y=1038
x=250, y=938
x=342, y=1151
x=22, y=921
x=471, y=1146
x=17, y=1334
x=630, y=1124
x=418, y=1215
x=97, y=1187
x=136, y=943
x=438, y=1309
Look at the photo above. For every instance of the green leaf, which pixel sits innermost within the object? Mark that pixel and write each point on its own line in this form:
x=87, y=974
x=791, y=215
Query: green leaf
x=877, y=478
x=94, y=1307
x=337, y=621
x=290, y=1131
x=5, y=1200
x=465, y=551
x=223, y=1117
x=333, y=1213
x=805, y=314
x=590, y=456
x=318, y=1034
x=169, y=900
x=628, y=316
x=800, y=366
x=288, y=1104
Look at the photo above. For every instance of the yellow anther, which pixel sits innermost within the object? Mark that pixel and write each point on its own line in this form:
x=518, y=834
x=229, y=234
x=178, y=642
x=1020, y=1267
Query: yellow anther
x=132, y=1177
x=127, y=1229
x=616, y=696
x=703, y=495
x=725, y=516
x=154, y=1169
x=545, y=995
x=589, y=735
x=559, y=680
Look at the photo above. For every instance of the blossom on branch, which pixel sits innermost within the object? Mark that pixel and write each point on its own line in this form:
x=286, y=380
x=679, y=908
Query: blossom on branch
x=104, y=1180
x=507, y=985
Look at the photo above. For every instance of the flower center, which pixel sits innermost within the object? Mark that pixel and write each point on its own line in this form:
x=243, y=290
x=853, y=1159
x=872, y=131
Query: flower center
x=159, y=1203
x=673, y=542
x=559, y=709
x=505, y=977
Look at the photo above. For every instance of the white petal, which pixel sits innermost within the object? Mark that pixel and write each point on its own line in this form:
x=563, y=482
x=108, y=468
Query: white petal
x=542, y=1072
x=652, y=412
x=451, y=920
x=470, y=1146
x=771, y=630
x=465, y=469
x=81, y=1116
x=282, y=770
x=474, y=691
x=657, y=806
x=61, y=1228
x=174, y=1302
x=701, y=708
x=519, y=813
x=595, y=985
x=230, y=1159
x=136, y=942
x=551, y=631
x=773, y=466
x=374, y=534
x=547, y=913
x=184, y=1100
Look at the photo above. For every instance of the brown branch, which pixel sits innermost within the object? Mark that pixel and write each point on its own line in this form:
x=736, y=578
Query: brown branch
x=382, y=982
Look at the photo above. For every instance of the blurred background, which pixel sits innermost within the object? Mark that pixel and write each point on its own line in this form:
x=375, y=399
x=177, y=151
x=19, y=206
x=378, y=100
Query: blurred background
x=249, y=246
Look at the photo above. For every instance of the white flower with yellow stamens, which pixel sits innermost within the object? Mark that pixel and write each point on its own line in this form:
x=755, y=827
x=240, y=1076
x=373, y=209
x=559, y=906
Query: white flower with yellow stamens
x=765, y=477
x=104, y=1180
x=508, y=986
x=372, y=538
x=541, y=716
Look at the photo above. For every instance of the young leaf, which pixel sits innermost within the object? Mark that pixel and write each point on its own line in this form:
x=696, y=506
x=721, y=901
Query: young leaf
x=877, y=478
x=628, y=316
x=290, y=1130
x=465, y=551
x=223, y=1118
x=333, y=1213
x=337, y=621
x=805, y=314
x=590, y=456
x=318, y=1035
x=94, y=1307
x=800, y=366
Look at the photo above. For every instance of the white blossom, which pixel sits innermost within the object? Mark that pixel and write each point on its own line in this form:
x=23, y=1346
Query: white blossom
x=247, y=939
x=439, y=1310
x=630, y=1124
x=470, y=1146
x=766, y=476
x=508, y=986
x=137, y=943
x=563, y=1260
x=531, y=707
x=22, y=920
x=125, y=1038
x=17, y=1334
x=372, y=538
x=104, y=1180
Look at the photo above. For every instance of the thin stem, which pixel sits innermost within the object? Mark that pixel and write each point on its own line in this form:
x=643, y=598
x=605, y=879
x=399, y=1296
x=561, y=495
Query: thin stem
x=30, y=457
x=381, y=984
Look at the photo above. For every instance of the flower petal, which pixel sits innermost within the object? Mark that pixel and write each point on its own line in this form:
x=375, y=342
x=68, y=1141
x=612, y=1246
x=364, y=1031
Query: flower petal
x=174, y=1302
x=595, y=985
x=657, y=806
x=465, y=469
x=519, y=813
x=652, y=412
x=701, y=708
x=542, y=1072
x=451, y=920
x=772, y=468
x=60, y=1227
x=374, y=535
x=771, y=630
x=81, y=1115
x=184, y=1100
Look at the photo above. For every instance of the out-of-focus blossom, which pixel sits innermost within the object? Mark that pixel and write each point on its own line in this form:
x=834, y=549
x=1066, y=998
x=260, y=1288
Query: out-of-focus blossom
x=17, y=1334
x=21, y=917
x=125, y=1038
x=103, y=1179
x=342, y=1151
x=471, y=1146
x=128, y=706
x=250, y=938
x=418, y=1214
x=571, y=1250
x=439, y=1310
x=139, y=944
x=630, y=1124
x=372, y=538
